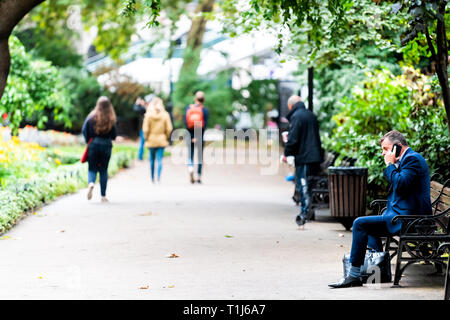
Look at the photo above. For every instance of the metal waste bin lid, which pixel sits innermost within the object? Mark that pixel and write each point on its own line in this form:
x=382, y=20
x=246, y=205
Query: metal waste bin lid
x=354, y=171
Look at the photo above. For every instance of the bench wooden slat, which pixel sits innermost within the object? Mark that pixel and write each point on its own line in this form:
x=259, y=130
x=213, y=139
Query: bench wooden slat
x=434, y=194
x=441, y=207
x=445, y=200
x=446, y=191
x=434, y=185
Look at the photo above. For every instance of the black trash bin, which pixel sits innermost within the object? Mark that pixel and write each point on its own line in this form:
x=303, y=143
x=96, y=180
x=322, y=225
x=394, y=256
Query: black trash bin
x=347, y=187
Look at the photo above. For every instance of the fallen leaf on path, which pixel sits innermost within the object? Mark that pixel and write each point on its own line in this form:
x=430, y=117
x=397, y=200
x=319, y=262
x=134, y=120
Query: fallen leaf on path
x=173, y=255
x=144, y=288
x=228, y=236
x=171, y=286
x=146, y=214
x=5, y=238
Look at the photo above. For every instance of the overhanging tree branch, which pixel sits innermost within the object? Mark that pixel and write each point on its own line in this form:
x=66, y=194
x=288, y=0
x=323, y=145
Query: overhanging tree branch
x=11, y=12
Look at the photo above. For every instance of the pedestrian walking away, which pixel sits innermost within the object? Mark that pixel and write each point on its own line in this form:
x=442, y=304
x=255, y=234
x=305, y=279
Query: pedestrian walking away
x=100, y=126
x=140, y=106
x=156, y=128
x=408, y=175
x=196, y=120
x=303, y=143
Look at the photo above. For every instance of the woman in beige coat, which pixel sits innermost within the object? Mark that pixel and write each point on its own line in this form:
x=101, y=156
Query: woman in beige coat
x=157, y=128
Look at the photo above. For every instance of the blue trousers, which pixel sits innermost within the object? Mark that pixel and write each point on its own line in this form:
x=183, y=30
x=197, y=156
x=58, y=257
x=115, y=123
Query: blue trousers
x=367, y=233
x=301, y=182
x=99, y=154
x=92, y=176
x=191, y=150
x=158, y=154
x=141, y=145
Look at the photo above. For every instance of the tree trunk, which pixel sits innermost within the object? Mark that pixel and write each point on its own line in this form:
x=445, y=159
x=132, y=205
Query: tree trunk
x=310, y=88
x=187, y=79
x=195, y=38
x=441, y=59
x=11, y=12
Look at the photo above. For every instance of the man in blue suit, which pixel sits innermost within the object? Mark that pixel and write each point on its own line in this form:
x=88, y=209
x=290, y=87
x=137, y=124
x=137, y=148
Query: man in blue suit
x=409, y=193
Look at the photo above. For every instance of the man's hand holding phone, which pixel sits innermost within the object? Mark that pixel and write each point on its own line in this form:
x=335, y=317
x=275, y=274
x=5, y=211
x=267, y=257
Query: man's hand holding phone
x=392, y=156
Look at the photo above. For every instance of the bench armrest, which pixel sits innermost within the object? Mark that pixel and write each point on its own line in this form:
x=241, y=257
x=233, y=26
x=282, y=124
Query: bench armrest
x=422, y=224
x=380, y=204
x=443, y=246
x=425, y=217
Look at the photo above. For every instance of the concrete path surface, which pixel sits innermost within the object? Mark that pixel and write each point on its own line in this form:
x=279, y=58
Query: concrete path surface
x=232, y=237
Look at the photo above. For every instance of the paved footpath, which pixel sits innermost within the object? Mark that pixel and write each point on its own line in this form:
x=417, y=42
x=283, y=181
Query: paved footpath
x=234, y=237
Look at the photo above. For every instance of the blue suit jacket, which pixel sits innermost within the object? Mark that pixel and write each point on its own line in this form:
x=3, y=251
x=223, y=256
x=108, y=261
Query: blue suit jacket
x=410, y=189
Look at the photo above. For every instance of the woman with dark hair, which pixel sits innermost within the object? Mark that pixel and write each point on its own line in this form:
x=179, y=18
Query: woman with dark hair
x=100, y=126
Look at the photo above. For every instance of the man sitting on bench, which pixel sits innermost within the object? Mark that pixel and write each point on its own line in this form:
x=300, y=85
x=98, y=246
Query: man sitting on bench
x=409, y=193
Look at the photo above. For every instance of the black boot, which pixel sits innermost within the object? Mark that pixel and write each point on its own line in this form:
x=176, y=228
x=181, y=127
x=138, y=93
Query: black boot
x=300, y=219
x=347, y=282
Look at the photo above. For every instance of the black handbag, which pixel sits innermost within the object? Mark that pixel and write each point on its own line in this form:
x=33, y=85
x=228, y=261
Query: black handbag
x=373, y=261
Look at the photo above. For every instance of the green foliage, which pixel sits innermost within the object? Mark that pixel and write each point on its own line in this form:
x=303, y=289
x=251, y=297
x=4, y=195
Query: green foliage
x=123, y=91
x=218, y=97
x=114, y=30
x=383, y=102
x=259, y=96
x=34, y=89
x=56, y=48
x=84, y=90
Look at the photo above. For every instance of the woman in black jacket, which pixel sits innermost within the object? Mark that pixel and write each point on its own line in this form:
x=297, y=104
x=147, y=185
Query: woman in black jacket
x=100, y=126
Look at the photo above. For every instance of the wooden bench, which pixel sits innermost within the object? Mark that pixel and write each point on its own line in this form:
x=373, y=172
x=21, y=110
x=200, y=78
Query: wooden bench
x=421, y=235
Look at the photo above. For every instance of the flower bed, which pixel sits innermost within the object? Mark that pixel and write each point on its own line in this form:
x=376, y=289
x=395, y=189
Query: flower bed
x=45, y=138
x=32, y=176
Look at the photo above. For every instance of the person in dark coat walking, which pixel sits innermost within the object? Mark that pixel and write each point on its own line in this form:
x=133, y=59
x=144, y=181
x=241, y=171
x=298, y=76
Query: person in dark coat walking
x=100, y=125
x=304, y=144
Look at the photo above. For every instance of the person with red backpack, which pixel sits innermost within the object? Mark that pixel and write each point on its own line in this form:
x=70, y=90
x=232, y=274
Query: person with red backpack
x=196, y=120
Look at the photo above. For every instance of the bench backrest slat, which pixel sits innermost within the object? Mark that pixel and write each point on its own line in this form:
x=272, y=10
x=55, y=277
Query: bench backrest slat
x=440, y=199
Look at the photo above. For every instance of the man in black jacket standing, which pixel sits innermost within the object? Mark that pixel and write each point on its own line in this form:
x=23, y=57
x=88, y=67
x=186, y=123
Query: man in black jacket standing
x=304, y=144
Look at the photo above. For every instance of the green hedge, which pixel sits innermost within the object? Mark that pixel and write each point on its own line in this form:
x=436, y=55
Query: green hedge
x=409, y=103
x=24, y=197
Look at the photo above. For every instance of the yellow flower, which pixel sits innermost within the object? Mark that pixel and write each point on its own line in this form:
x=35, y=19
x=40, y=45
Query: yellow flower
x=15, y=140
x=58, y=162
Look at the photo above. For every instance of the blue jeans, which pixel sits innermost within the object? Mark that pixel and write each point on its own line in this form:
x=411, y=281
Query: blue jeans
x=141, y=145
x=191, y=151
x=367, y=232
x=92, y=177
x=99, y=154
x=301, y=182
x=157, y=153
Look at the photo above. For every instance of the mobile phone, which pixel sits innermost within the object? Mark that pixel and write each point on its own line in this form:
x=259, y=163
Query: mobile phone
x=398, y=149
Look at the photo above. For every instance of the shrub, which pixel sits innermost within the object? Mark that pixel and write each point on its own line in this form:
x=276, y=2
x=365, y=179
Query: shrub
x=409, y=103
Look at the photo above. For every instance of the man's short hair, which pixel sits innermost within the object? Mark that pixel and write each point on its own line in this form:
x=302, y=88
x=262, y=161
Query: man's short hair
x=293, y=100
x=200, y=96
x=395, y=137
